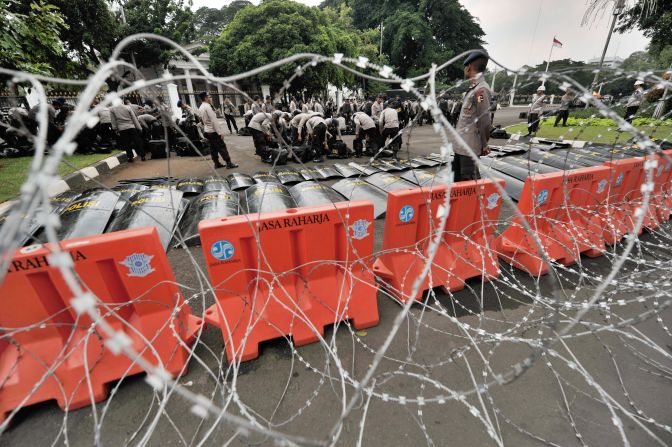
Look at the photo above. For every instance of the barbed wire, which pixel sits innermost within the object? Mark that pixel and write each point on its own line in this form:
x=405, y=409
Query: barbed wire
x=474, y=351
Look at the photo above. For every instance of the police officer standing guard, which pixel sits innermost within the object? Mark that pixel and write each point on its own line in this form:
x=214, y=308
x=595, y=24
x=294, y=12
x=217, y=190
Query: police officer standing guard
x=474, y=122
x=634, y=101
x=214, y=132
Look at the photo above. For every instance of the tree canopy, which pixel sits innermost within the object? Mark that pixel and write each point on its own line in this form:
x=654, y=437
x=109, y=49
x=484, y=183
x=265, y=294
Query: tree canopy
x=275, y=29
x=654, y=19
x=418, y=32
x=210, y=22
x=30, y=38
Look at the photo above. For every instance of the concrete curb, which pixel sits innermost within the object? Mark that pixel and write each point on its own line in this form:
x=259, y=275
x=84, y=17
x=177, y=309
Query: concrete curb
x=78, y=177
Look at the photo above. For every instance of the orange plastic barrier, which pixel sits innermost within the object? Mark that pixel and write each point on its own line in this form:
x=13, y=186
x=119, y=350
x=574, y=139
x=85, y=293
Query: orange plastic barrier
x=562, y=209
x=45, y=341
x=290, y=272
x=616, y=213
x=464, y=251
x=661, y=201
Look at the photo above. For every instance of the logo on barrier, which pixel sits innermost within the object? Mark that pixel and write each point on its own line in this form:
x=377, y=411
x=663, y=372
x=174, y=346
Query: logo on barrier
x=406, y=213
x=668, y=165
x=601, y=186
x=492, y=200
x=660, y=170
x=222, y=250
x=619, y=179
x=139, y=264
x=360, y=229
x=542, y=197
x=30, y=248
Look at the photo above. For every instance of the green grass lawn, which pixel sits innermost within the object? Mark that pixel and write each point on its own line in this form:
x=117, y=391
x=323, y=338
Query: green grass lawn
x=597, y=134
x=13, y=171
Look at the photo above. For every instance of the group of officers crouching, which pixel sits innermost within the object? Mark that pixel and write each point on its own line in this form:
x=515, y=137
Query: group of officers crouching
x=382, y=126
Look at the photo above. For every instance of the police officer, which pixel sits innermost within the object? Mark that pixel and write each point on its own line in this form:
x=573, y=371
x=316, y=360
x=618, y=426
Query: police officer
x=536, y=110
x=563, y=110
x=634, y=101
x=365, y=129
x=214, y=132
x=389, y=126
x=316, y=129
x=474, y=123
x=260, y=135
x=125, y=122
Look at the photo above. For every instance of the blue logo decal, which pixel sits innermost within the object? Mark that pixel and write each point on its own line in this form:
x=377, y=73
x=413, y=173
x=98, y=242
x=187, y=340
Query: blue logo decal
x=601, y=186
x=619, y=179
x=542, y=197
x=360, y=229
x=406, y=213
x=492, y=200
x=660, y=171
x=222, y=250
x=139, y=264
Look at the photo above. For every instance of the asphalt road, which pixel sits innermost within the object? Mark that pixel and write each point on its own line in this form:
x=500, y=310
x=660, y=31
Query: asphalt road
x=300, y=390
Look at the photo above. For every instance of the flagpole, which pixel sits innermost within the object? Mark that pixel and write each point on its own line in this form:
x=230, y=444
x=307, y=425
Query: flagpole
x=550, y=54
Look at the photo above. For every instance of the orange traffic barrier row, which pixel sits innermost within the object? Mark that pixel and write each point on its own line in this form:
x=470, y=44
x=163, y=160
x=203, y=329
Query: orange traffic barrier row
x=561, y=209
x=616, y=213
x=659, y=205
x=289, y=273
x=47, y=349
x=464, y=251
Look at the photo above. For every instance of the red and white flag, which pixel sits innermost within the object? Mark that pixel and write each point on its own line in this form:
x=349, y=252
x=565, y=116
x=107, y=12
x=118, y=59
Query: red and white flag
x=556, y=42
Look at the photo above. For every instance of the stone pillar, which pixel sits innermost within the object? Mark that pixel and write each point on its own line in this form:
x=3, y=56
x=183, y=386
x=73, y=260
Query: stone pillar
x=190, y=89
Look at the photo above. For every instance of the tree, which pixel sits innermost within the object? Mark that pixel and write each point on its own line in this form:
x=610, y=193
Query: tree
x=652, y=18
x=638, y=61
x=210, y=22
x=29, y=41
x=169, y=18
x=90, y=28
x=418, y=32
x=276, y=29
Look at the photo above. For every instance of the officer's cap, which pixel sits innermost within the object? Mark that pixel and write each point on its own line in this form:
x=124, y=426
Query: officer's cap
x=541, y=88
x=474, y=55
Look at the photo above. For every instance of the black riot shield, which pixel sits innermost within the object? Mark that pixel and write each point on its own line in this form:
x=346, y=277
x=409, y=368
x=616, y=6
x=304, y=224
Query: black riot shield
x=532, y=167
x=512, y=186
x=127, y=190
x=364, y=169
x=27, y=230
x=517, y=172
x=215, y=183
x=266, y=197
x=160, y=208
x=551, y=159
x=587, y=160
x=354, y=189
x=347, y=171
x=312, y=193
x=388, y=182
x=328, y=172
x=289, y=175
x=208, y=205
x=310, y=173
x=391, y=165
x=190, y=186
x=265, y=177
x=88, y=215
x=421, y=162
x=62, y=200
x=240, y=181
x=419, y=177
